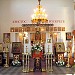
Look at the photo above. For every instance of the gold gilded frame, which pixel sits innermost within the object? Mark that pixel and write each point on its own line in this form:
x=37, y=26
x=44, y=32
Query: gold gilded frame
x=16, y=47
x=60, y=47
x=26, y=41
x=48, y=40
x=6, y=37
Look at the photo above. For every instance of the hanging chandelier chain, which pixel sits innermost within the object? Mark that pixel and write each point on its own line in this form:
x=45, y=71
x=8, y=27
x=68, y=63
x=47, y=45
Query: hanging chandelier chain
x=39, y=1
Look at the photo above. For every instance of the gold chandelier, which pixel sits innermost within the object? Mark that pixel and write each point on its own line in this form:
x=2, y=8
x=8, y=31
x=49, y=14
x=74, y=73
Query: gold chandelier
x=39, y=15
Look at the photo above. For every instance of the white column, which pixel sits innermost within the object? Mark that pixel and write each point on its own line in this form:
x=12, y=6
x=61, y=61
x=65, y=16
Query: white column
x=12, y=37
x=27, y=44
x=17, y=37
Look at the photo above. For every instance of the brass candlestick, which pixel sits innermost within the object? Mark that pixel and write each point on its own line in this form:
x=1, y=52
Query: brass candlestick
x=46, y=62
x=51, y=68
x=25, y=64
x=48, y=65
x=68, y=65
x=6, y=57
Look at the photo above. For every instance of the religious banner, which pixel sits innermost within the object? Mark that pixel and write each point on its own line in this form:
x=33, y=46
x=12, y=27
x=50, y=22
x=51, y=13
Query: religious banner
x=6, y=37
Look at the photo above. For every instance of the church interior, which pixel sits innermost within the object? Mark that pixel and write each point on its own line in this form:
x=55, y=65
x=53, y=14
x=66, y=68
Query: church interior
x=37, y=37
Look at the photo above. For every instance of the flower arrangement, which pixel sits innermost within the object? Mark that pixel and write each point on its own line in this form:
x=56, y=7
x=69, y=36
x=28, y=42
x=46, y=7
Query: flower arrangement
x=60, y=63
x=36, y=47
x=16, y=63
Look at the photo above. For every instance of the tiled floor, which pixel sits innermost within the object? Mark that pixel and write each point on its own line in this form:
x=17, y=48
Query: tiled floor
x=56, y=71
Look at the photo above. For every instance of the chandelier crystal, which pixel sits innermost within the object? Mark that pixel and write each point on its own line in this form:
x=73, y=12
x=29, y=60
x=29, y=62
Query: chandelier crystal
x=39, y=15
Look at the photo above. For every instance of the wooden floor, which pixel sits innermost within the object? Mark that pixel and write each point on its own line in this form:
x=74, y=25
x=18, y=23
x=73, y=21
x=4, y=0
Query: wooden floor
x=18, y=71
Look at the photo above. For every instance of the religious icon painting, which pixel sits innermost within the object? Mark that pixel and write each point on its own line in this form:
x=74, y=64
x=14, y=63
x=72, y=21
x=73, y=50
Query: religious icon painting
x=48, y=40
x=60, y=47
x=26, y=41
x=47, y=28
x=51, y=28
x=68, y=36
x=24, y=29
x=63, y=29
x=12, y=29
x=55, y=28
x=28, y=29
x=37, y=36
x=20, y=29
x=16, y=29
x=59, y=28
x=6, y=37
x=16, y=47
x=33, y=29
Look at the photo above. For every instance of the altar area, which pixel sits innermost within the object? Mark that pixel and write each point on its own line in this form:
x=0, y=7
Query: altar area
x=41, y=45
x=40, y=48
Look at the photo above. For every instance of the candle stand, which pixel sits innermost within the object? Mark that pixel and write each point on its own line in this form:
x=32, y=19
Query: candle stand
x=68, y=64
x=6, y=52
x=25, y=62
